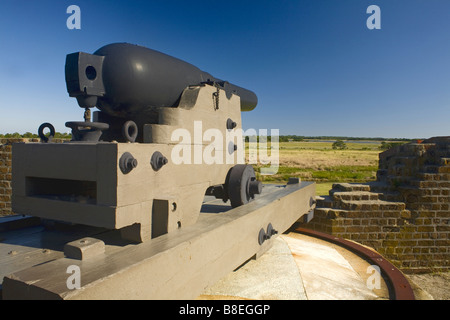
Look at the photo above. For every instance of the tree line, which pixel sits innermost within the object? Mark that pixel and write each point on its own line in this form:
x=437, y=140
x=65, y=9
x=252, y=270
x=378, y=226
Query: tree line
x=58, y=135
x=284, y=138
x=287, y=138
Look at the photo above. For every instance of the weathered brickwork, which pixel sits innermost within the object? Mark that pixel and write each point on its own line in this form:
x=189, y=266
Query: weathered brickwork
x=405, y=214
x=6, y=174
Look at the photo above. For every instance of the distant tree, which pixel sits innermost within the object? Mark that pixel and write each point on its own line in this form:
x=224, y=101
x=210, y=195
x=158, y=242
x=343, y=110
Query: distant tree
x=388, y=145
x=13, y=135
x=339, y=144
x=60, y=135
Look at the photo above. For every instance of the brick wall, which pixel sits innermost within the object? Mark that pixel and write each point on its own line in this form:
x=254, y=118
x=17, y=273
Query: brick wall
x=5, y=179
x=405, y=214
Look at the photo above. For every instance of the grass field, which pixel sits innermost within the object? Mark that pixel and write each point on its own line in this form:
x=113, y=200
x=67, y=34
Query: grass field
x=318, y=161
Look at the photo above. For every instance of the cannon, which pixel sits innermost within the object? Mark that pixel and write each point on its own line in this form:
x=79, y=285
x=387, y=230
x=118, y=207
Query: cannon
x=125, y=80
x=126, y=169
x=152, y=198
x=129, y=83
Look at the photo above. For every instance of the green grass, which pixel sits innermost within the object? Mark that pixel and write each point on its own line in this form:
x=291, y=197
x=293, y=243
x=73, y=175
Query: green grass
x=323, y=188
x=317, y=161
x=327, y=174
x=346, y=174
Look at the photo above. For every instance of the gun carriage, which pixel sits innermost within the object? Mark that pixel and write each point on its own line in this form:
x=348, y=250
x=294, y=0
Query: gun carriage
x=166, y=135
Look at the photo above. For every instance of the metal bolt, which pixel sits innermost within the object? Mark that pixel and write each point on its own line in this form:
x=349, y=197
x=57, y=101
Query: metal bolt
x=157, y=160
x=231, y=124
x=127, y=163
x=261, y=236
x=131, y=163
x=162, y=161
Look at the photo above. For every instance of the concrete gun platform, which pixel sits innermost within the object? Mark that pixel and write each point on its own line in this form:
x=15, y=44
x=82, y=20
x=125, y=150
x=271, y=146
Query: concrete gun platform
x=300, y=267
x=295, y=267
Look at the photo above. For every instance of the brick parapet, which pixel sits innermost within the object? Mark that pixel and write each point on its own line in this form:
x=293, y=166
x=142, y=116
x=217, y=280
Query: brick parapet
x=404, y=215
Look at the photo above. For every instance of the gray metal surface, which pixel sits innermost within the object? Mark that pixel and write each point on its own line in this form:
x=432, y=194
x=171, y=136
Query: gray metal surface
x=125, y=80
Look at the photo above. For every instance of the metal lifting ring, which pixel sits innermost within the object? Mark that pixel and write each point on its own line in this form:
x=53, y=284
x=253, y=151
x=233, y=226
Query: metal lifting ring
x=130, y=131
x=41, y=134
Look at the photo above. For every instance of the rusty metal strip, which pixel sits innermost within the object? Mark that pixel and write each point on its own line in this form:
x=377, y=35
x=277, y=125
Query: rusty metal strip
x=401, y=288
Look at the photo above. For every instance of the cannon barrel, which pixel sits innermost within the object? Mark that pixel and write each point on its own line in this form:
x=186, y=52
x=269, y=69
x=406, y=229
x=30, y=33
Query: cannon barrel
x=125, y=80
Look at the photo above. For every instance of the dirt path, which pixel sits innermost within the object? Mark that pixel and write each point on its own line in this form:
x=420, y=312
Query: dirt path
x=436, y=284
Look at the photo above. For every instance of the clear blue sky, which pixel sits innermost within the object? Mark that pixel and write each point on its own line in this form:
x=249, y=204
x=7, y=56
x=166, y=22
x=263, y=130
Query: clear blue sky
x=314, y=65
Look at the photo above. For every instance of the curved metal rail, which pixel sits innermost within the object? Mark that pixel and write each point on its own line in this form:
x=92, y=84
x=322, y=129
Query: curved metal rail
x=401, y=288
